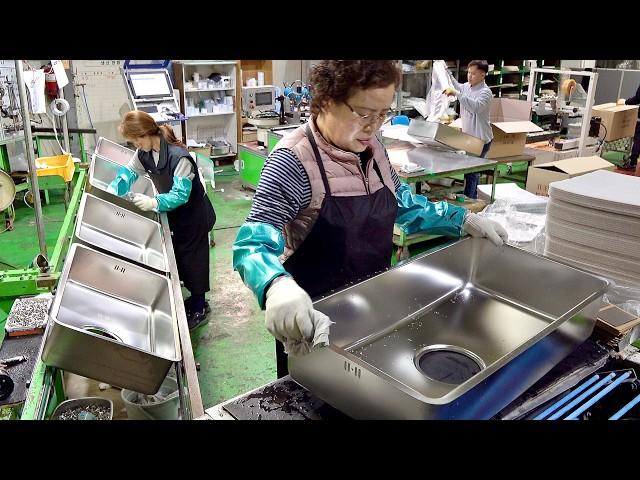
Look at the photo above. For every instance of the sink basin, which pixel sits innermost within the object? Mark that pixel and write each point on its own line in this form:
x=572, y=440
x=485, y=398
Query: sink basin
x=111, y=228
x=112, y=321
x=102, y=171
x=113, y=151
x=457, y=333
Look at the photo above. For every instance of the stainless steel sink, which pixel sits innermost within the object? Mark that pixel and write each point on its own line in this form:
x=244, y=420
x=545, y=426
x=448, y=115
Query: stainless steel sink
x=113, y=151
x=102, y=171
x=112, y=321
x=454, y=334
x=437, y=134
x=105, y=225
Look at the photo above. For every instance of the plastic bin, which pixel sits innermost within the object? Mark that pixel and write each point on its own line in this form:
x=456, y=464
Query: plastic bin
x=61, y=165
x=164, y=408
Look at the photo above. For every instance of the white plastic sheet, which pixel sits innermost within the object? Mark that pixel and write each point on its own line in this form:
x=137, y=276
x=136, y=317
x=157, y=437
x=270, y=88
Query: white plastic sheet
x=437, y=106
x=525, y=229
x=627, y=298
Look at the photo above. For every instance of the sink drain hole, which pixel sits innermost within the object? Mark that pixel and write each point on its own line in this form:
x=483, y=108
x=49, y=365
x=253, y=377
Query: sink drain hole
x=103, y=332
x=448, y=364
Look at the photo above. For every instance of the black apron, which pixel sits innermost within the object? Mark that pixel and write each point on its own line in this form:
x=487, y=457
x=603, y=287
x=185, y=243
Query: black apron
x=352, y=239
x=190, y=223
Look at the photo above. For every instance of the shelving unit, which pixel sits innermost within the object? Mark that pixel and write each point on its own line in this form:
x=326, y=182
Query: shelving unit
x=547, y=81
x=510, y=78
x=249, y=69
x=197, y=102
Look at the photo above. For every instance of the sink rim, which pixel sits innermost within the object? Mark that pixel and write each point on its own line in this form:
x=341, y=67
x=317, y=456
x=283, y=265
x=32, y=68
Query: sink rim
x=91, y=174
x=79, y=226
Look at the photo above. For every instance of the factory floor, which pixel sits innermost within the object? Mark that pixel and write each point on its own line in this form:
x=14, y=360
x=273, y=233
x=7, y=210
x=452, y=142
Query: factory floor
x=235, y=351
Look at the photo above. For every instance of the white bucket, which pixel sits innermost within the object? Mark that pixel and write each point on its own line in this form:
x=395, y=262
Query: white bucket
x=165, y=409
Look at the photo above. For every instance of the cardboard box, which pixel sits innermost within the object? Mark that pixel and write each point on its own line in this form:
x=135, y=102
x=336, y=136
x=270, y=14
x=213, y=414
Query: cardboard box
x=619, y=120
x=545, y=153
x=540, y=176
x=510, y=124
x=615, y=320
x=249, y=135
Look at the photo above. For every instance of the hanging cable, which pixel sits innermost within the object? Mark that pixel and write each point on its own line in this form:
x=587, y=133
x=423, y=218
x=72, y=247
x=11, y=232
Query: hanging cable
x=59, y=107
x=86, y=105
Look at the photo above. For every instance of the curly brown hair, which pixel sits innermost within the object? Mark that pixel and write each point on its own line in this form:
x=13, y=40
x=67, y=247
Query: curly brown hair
x=337, y=79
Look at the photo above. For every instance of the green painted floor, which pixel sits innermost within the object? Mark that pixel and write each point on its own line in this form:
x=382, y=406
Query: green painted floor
x=235, y=351
x=20, y=246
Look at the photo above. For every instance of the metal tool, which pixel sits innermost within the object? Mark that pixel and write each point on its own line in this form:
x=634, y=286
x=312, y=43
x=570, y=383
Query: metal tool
x=10, y=362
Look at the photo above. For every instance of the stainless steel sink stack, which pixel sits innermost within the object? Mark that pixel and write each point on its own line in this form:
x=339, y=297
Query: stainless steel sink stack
x=113, y=317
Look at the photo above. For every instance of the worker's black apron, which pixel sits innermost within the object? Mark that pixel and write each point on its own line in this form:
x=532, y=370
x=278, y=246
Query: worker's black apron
x=351, y=239
x=190, y=223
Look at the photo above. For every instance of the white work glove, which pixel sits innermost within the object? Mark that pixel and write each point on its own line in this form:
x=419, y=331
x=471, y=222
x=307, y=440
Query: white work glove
x=144, y=202
x=289, y=313
x=478, y=226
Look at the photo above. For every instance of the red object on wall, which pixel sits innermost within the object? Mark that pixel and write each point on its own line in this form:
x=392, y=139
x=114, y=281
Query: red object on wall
x=50, y=84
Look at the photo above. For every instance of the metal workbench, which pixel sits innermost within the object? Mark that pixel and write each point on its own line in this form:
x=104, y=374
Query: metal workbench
x=284, y=399
x=444, y=162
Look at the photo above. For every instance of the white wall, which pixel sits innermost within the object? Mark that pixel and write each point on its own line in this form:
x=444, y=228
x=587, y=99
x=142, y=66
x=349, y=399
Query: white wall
x=106, y=96
x=291, y=70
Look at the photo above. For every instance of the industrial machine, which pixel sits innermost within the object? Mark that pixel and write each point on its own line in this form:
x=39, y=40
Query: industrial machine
x=296, y=101
x=9, y=109
x=258, y=105
x=569, y=109
x=7, y=195
x=150, y=90
x=256, y=100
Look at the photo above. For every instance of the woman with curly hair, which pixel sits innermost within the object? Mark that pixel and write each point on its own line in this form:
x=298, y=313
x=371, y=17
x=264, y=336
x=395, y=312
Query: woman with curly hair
x=326, y=203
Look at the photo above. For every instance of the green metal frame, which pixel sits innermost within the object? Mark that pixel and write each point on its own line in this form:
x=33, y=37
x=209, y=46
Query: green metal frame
x=251, y=164
x=29, y=281
x=38, y=137
x=45, y=393
x=418, y=179
x=46, y=390
x=272, y=139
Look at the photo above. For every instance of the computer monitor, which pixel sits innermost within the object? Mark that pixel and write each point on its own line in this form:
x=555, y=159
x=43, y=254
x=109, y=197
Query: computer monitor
x=150, y=84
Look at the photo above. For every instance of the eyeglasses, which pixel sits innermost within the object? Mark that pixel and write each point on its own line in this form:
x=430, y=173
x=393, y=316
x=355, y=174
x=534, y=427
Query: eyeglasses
x=371, y=119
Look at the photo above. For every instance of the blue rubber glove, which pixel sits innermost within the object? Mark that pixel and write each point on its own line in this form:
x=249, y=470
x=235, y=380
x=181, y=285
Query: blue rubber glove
x=417, y=214
x=121, y=184
x=178, y=195
x=255, y=257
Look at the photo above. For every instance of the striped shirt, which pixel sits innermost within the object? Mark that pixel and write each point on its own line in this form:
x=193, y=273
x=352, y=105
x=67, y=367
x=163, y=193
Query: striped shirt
x=284, y=189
